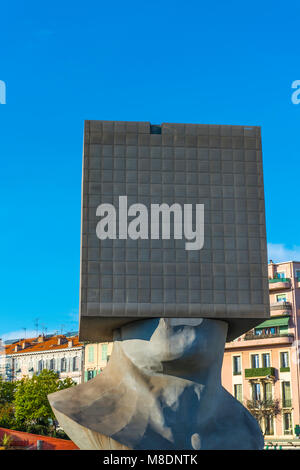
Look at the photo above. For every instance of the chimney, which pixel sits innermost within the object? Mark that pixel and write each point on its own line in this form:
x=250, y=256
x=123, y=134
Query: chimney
x=25, y=344
x=272, y=270
x=40, y=339
x=70, y=343
x=61, y=340
x=17, y=347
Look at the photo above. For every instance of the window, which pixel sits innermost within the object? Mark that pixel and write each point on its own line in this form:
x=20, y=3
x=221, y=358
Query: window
x=75, y=363
x=255, y=361
x=268, y=391
x=258, y=331
x=237, y=370
x=280, y=275
x=284, y=359
x=287, y=423
x=266, y=360
x=269, y=425
x=238, y=392
x=90, y=374
x=298, y=273
x=286, y=394
x=91, y=353
x=256, y=395
x=52, y=364
x=281, y=298
x=104, y=352
x=40, y=365
x=63, y=364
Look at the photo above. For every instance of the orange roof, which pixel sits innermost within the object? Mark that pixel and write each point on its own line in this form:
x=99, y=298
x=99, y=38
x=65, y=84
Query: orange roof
x=48, y=344
x=29, y=441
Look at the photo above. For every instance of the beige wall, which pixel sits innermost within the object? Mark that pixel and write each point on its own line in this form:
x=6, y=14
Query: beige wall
x=274, y=346
x=228, y=379
x=95, y=358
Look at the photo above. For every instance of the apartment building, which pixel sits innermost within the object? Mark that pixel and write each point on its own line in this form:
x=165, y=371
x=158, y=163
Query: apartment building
x=26, y=357
x=263, y=364
x=96, y=356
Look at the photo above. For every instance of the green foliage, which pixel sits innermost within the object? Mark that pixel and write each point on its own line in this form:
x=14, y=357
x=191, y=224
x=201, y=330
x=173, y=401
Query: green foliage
x=7, y=416
x=263, y=408
x=60, y=434
x=31, y=403
x=7, y=391
x=6, y=441
x=260, y=372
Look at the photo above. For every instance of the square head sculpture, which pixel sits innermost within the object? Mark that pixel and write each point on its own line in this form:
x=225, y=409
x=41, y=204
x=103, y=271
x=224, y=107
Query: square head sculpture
x=173, y=225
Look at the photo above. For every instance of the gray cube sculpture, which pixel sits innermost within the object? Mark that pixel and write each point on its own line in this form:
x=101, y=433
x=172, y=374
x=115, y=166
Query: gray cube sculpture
x=124, y=279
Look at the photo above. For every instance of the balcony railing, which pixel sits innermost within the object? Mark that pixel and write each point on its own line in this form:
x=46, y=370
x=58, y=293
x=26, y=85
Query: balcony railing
x=259, y=372
x=286, y=403
x=279, y=279
x=281, y=306
x=279, y=283
x=249, y=336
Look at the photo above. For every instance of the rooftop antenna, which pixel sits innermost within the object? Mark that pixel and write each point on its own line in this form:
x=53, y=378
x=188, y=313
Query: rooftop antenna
x=61, y=329
x=24, y=332
x=36, y=324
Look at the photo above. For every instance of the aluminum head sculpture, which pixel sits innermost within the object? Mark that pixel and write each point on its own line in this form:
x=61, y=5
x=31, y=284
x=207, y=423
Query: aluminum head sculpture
x=173, y=263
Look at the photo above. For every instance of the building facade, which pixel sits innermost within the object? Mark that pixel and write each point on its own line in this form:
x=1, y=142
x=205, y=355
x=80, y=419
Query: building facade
x=263, y=364
x=96, y=356
x=27, y=357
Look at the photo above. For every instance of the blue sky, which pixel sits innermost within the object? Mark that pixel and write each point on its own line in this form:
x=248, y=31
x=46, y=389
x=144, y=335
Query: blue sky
x=161, y=61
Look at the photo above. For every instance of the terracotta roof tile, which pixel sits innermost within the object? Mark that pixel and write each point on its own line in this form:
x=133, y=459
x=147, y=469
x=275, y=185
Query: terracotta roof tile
x=45, y=345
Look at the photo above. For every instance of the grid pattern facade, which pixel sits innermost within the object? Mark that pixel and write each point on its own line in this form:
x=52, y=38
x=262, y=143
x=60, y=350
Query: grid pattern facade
x=218, y=166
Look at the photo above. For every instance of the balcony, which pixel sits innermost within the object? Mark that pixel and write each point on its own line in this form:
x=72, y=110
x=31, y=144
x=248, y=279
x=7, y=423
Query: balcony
x=252, y=336
x=279, y=283
x=284, y=306
x=260, y=372
x=254, y=341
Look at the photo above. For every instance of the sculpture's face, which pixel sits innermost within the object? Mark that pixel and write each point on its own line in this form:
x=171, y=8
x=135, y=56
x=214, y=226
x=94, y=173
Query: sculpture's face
x=169, y=342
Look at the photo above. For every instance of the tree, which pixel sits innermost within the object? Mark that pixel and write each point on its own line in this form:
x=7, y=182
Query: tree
x=32, y=408
x=264, y=409
x=7, y=416
x=7, y=391
x=7, y=395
